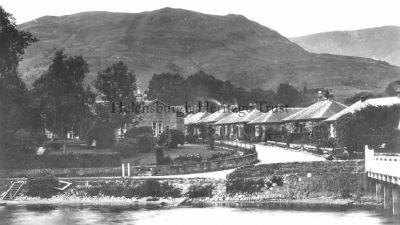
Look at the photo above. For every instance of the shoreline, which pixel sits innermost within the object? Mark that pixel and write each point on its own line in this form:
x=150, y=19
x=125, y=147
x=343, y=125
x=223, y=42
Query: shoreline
x=321, y=202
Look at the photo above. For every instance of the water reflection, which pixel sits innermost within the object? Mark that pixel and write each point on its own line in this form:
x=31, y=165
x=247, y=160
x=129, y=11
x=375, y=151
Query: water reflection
x=233, y=215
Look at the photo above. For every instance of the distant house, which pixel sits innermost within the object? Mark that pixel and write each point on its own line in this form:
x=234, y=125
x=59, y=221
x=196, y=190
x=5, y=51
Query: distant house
x=232, y=126
x=158, y=115
x=303, y=121
x=272, y=122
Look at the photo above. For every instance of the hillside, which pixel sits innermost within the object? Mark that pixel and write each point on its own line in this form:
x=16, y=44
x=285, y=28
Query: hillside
x=381, y=43
x=229, y=47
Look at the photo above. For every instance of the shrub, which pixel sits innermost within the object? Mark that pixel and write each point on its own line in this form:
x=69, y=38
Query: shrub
x=278, y=180
x=25, y=161
x=151, y=188
x=176, y=137
x=188, y=158
x=160, y=158
x=104, y=136
x=200, y=191
x=126, y=147
x=145, y=143
x=244, y=185
x=170, y=191
x=42, y=184
x=220, y=155
x=136, y=131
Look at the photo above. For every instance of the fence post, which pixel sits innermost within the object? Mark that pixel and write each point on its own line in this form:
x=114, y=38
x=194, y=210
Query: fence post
x=123, y=170
x=129, y=169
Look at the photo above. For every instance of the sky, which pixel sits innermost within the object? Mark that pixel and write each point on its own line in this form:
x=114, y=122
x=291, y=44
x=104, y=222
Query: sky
x=291, y=18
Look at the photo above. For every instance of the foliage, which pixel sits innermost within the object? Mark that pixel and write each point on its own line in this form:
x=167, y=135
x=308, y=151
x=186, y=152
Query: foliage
x=132, y=189
x=188, y=158
x=172, y=137
x=15, y=104
x=117, y=85
x=104, y=136
x=64, y=99
x=19, y=160
x=126, y=147
x=244, y=185
x=145, y=143
x=278, y=180
x=392, y=88
x=160, y=158
x=42, y=185
x=360, y=96
x=370, y=126
x=220, y=155
x=319, y=134
x=200, y=191
x=288, y=95
x=168, y=87
x=135, y=131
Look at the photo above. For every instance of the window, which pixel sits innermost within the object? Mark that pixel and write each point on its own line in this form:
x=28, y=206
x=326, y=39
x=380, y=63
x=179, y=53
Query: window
x=257, y=131
x=154, y=127
x=159, y=127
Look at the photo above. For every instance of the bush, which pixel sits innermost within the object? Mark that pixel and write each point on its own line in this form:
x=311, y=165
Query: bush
x=200, y=191
x=25, y=161
x=145, y=143
x=176, y=137
x=278, y=180
x=160, y=158
x=126, y=147
x=244, y=185
x=188, y=158
x=136, y=131
x=104, y=137
x=42, y=185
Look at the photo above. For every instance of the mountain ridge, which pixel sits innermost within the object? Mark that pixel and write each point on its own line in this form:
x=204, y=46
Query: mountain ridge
x=380, y=43
x=230, y=47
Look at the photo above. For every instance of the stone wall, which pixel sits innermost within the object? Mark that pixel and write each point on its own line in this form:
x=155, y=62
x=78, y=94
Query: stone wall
x=199, y=167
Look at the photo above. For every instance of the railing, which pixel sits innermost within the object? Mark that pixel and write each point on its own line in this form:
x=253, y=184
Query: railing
x=382, y=164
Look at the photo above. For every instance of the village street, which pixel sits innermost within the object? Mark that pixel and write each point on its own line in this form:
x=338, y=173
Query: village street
x=266, y=154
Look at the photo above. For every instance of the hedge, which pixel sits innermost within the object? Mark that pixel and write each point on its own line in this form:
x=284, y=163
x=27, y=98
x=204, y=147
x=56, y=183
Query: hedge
x=28, y=161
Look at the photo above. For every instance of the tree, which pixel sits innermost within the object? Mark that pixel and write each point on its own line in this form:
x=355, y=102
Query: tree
x=360, y=96
x=288, y=95
x=117, y=84
x=64, y=98
x=169, y=88
x=393, y=88
x=13, y=93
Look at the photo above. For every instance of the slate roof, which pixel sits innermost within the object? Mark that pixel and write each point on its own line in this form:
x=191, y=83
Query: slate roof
x=274, y=116
x=240, y=117
x=214, y=117
x=387, y=101
x=194, y=118
x=317, y=111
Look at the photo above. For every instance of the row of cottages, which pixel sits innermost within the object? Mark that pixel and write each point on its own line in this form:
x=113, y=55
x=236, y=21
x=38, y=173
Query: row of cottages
x=271, y=123
x=232, y=126
x=268, y=125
